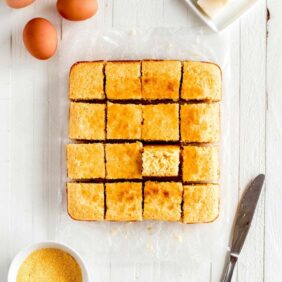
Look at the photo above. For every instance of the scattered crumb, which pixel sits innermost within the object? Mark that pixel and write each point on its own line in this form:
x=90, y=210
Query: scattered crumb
x=132, y=32
x=149, y=247
x=149, y=227
x=114, y=231
x=178, y=238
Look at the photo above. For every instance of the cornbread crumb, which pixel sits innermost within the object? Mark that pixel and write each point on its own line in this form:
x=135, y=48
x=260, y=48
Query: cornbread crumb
x=201, y=81
x=87, y=121
x=87, y=81
x=124, y=161
x=86, y=201
x=124, y=201
x=201, y=203
x=124, y=121
x=49, y=265
x=161, y=80
x=160, y=160
x=123, y=80
x=201, y=163
x=200, y=122
x=162, y=201
x=160, y=122
x=85, y=161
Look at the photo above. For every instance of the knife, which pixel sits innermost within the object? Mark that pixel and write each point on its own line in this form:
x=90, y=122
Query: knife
x=244, y=216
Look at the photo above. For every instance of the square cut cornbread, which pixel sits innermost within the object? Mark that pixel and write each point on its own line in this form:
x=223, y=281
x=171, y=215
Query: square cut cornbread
x=86, y=201
x=161, y=80
x=200, y=163
x=201, y=81
x=124, y=121
x=124, y=201
x=200, y=122
x=200, y=203
x=162, y=201
x=87, y=81
x=124, y=161
x=123, y=80
x=153, y=129
x=160, y=122
x=160, y=160
x=85, y=161
x=87, y=121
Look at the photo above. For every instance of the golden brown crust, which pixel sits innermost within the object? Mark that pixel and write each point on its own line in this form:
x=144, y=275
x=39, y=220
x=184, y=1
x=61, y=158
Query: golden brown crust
x=201, y=203
x=200, y=122
x=87, y=121
x=124, y=121
x=123, y=80
x=85, y=161
x=160, y=122
x=200, y=163
x=201, y=81
x=162, y=201
x=161, y=80
x=124, y=201
x=87, y=81
x=160, y=160
x=86, y=201
x=124, y=161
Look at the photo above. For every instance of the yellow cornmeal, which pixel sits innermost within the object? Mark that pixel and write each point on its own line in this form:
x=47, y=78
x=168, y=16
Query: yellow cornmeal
x=49, y=265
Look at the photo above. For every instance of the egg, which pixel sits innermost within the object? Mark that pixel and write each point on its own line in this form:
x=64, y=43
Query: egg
x=40, y=38
x=77, y=10
x=17, y=4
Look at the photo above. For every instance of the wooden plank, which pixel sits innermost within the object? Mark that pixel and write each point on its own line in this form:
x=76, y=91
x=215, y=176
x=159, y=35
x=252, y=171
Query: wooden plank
x=252, y=132
x=273, y=227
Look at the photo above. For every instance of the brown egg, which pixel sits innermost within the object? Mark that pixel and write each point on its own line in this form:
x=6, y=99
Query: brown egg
x=77, y=10
x=40, y=38
x=17, y=4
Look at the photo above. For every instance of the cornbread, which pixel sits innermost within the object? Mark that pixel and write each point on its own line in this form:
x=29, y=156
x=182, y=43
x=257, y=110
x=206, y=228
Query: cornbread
x=200, y=122
x=123, y=80
x=200, y=163
x=124, y=121
x=49, y=265
x=86, y=201
x=201, y=203
x=162, y=201
x=161, y=80
x=124, y=161
x=85, y=161
x=160, y=122
x=201, y=81
x=124, y=201
x=87, y=121
x=160, y=160
x=87, y=81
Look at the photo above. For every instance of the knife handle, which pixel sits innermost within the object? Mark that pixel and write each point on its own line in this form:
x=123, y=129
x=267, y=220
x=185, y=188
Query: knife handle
x=230, y=268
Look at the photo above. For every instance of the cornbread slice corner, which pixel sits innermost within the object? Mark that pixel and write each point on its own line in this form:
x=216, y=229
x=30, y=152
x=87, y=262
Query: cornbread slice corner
x=124, y=161
x=201, y=203
x=87, y=121
x=86, y=201
x=160, y=160
x=85, y=161
x=162, y=201
x=124, y=121
x=200, y=163
x=86, y=81
x=160, y=122
x=161, y=80
x=124, y=201
x=201, y=81
x=200, y=122
x=123, y=80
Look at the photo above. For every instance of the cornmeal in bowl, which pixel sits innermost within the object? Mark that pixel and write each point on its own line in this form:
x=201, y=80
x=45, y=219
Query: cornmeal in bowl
x=145, y=138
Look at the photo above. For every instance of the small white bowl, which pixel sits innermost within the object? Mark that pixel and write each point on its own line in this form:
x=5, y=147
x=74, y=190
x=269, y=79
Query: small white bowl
x=23, y=254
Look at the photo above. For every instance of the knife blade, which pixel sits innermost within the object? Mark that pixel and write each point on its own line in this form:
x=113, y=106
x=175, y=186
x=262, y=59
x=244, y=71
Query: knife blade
x=244, y=216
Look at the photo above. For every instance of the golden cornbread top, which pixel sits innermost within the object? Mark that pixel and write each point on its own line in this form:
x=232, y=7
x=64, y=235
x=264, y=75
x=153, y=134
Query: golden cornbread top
x=50, y=264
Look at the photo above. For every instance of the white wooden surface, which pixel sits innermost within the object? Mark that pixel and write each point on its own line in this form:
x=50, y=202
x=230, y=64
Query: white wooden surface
x=25, y=127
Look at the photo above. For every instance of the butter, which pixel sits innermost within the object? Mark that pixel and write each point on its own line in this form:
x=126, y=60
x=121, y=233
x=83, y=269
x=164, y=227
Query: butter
x=212, y=7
